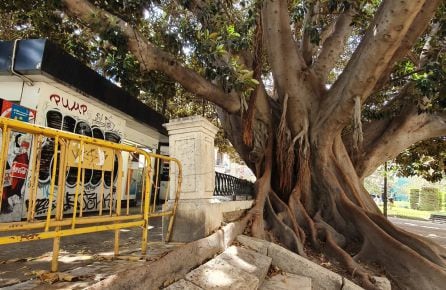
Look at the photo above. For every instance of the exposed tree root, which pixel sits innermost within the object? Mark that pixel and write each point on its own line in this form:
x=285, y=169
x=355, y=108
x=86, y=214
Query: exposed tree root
x=406, y=266
x=338, y=238
x=285, y=215
x=304, y=221
x=357, y=271
x=350, y=234
x=283, y=233
x=263, y=187
x=429, y=250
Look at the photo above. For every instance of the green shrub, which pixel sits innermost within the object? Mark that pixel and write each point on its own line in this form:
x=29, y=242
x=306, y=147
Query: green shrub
x=414, y=198
x=429, y=199
x=443, y=201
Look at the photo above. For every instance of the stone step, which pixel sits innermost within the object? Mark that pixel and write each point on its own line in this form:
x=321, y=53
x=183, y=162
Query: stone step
x=235, y=268
x=290, y=262
x=247, y=260
x=321, y=278
x=219, y=274
x=183, y=285
x=255, y=244
x=286, y=281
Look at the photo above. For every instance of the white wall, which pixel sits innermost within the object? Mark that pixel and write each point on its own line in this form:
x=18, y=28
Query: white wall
x=227, y=166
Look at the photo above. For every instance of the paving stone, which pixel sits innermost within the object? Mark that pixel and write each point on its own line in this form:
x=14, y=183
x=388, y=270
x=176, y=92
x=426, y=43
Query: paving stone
x=286, y=281
x=247, y=260
x=219, y=274
x=183, y=285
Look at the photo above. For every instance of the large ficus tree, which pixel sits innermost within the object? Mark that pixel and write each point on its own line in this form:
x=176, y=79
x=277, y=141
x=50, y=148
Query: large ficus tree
x=313, y=94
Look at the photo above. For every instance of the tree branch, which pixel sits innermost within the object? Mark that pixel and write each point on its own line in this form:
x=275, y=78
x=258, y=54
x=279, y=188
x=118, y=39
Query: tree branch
x=150, y=56
x=418, y=60
x=384, y=37
x=308, y=48
x=290, y=73
x=424, y=56
x=386, y=138
x=419, y=25
x=333, y=46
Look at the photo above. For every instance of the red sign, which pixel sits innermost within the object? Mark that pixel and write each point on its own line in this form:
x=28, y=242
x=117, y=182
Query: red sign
x=18, y=170
x=14, y=111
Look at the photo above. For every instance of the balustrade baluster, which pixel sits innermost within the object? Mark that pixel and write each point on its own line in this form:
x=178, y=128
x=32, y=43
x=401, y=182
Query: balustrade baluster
x=227, y=185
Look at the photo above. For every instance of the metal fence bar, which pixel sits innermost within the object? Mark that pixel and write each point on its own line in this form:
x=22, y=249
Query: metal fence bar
x=59, y=205
x=3, y=157
x=228, y=185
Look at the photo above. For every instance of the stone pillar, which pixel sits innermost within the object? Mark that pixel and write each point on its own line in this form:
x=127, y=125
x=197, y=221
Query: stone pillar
x=191, y=140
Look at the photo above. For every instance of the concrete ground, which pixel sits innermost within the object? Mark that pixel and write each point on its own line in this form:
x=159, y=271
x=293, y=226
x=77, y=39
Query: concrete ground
x=87, y=258
x=433, y=230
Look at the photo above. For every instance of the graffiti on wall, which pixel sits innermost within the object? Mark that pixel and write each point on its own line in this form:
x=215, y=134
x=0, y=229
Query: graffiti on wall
x=72, y=115
x=69, y=104
x=90, y=202
x=16, y=164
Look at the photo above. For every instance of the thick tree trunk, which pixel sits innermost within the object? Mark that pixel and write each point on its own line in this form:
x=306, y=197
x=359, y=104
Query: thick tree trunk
x=331, y=212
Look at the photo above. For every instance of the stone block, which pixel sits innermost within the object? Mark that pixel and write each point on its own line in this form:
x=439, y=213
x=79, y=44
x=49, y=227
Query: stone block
x=219, y=274
x=233, y=215
x=183, y=285
x=234, y=205
x=382, y=283
x=198, y=218
x=255, y=244
x=321, y=278
x=247, y=260
x=286, y=281
x=291, y=262
x=194, y=220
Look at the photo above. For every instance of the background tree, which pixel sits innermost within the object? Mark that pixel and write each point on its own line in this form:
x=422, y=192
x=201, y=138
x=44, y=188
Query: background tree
x=426, y=159
x=314, y=95
x=107, y=53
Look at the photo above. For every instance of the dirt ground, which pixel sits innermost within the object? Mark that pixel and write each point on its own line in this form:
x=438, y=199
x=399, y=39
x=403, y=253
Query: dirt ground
x=85, y=258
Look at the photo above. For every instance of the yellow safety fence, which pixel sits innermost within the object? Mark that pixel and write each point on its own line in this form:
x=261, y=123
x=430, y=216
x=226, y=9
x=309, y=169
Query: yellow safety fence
x=73, y=151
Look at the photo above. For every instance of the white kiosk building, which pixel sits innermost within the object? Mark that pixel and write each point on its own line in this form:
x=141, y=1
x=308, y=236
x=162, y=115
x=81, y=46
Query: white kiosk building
x=42, y=84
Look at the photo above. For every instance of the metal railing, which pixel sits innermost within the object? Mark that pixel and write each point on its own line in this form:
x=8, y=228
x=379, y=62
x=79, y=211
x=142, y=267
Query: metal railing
x=228, y=185
x=71, y=152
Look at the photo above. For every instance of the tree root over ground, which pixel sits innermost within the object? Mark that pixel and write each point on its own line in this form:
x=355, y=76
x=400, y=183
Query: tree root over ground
x=363, y=242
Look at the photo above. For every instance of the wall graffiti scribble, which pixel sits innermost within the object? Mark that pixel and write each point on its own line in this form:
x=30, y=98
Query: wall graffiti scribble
x=91, y=201
x=107, y=122
x=73, y=106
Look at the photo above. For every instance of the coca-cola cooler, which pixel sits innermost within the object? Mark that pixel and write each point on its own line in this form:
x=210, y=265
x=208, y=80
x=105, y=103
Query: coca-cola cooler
x=17, y=163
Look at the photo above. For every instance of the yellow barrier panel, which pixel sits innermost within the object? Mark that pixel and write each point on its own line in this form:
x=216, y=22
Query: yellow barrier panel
x=81, y=153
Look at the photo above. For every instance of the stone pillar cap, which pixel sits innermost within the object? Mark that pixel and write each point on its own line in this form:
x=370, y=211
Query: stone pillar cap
x=176, y=126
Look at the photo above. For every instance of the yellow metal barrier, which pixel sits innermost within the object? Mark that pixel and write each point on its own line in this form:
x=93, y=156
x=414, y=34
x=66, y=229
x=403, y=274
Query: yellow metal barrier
x=83, y=152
